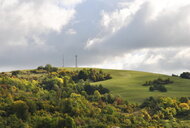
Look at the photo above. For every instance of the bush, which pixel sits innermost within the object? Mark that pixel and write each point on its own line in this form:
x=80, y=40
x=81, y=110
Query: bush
x=160, y=88
x=69, y=122
x=158, y=81
x=184, y=106
x=40, y=68
x=44, y=122
x=48, y=68
x=20, y=108
x=174, y=75
x=92, y=75
x=184, y=99
x=185, y=75
x=15, y=73
x=52, y=83
x=90, y=89
x=158, y=84
x=151, y=89
x=14, y=122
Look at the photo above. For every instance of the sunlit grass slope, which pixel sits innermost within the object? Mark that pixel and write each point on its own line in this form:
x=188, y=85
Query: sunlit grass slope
x=128, y=84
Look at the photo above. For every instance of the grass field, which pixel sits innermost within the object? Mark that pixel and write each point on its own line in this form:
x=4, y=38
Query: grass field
x=128, y=84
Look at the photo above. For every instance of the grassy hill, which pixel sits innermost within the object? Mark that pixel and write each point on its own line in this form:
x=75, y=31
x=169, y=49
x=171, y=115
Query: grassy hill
x=51, y=97
x=128, y=84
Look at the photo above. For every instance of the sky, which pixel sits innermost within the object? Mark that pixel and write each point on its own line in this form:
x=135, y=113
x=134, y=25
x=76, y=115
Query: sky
x=143, y=35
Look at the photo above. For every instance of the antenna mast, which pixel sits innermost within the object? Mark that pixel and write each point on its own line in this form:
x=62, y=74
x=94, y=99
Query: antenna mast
x=76, y=63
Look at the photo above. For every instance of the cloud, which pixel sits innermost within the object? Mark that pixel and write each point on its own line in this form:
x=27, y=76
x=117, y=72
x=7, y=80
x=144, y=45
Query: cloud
x=71, y=32
x=159, y=60
x=22, y=19
x=114, y=21
x=147, y=35
x=142, y=23
x=159, y=26
x=25, y=25
x=71, y=2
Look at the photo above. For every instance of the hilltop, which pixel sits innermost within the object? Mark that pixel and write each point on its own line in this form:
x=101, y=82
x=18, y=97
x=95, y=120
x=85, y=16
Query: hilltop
x=128, y=84
x=51, y=97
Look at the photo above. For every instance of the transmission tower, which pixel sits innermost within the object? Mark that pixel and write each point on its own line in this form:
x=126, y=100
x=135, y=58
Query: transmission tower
x=76, y=61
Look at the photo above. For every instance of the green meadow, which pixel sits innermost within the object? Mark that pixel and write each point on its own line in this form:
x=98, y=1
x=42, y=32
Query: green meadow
x=128, y=85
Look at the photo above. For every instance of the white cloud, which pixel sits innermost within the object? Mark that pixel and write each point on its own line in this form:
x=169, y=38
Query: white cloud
x=120, y=17
x=112, y=22
x=158, y=60
x=137, y=35
x=150, y=13
x=159, y=7
x=154, y=59
x=71, y=32
x=26, y=27
x=24, y=19
x=93, y=41
x=71, y=2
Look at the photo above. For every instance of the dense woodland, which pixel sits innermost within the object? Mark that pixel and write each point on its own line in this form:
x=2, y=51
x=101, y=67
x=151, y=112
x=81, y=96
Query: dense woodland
x=48, y=97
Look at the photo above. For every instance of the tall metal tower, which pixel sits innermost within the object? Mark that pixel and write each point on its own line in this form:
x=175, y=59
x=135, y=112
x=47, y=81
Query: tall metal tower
x=76, y=61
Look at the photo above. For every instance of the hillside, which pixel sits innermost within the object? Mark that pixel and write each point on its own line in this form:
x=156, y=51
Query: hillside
x=128, y=84
x=51, y=97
